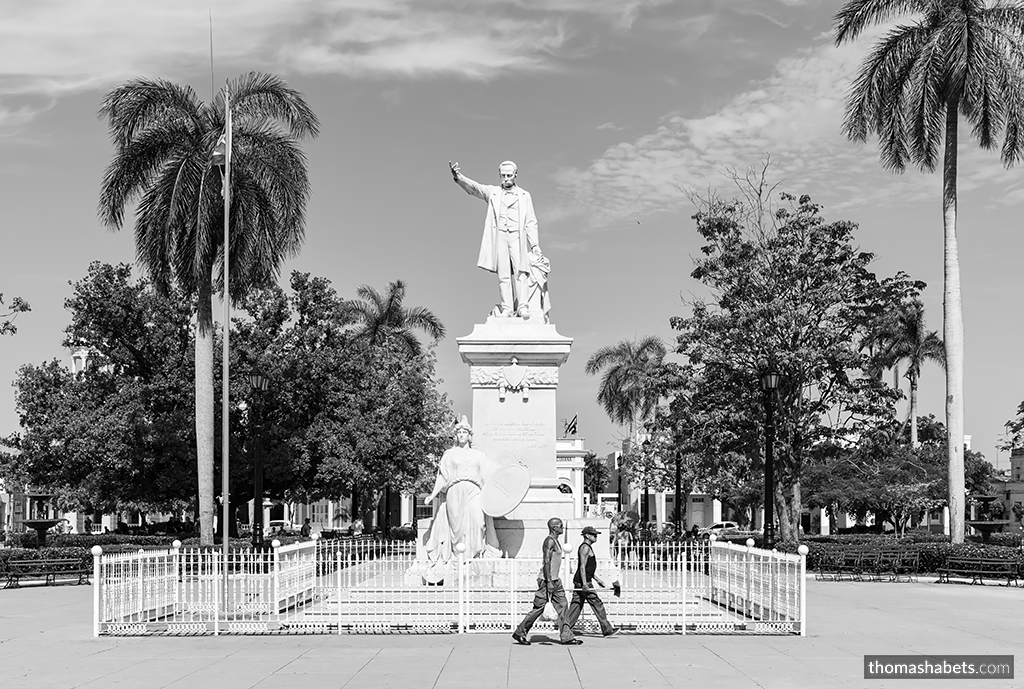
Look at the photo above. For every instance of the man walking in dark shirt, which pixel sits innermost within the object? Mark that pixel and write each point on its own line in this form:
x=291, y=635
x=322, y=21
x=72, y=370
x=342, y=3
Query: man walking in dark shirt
x=583, y=584
x=549, y=587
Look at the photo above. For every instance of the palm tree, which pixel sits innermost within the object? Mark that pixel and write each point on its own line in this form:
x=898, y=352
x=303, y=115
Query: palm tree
x=629, y=390
x=383, y=316
x=164, y=138
x=904, y=338
x=960, y=57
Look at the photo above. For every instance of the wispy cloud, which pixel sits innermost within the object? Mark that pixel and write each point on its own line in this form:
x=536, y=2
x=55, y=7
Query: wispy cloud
x=52, y=46
x=610, y=126
x=795, y=115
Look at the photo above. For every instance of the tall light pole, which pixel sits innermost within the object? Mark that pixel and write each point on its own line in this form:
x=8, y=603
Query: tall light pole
x=769, y=384
x=222, y=159
x=258, y=383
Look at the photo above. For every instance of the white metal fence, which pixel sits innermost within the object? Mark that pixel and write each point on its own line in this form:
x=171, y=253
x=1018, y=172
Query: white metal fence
x=344, y=586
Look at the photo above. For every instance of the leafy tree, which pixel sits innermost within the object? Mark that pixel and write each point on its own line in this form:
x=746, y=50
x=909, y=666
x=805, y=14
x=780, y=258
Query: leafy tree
x=901, y=336
x=796, y=295
x=118, y=434
x=164, y=139
x=383, y=316
x=717, y=441
x=596, y=473
x=9, y=313
x=1018, y=513
x=338, y=414
x=960, y=58
x=883, y=473
x=342, y=415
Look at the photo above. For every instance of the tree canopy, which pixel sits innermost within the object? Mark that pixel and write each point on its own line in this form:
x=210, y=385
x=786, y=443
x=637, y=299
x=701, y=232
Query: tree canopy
x=340, y=413
x=789, y=291
x=118, y=433
x=10, y=312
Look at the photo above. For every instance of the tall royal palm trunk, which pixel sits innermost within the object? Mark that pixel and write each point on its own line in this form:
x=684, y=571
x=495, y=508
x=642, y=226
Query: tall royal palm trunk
x=953, y=332
x=913, y=410
x=204, y=411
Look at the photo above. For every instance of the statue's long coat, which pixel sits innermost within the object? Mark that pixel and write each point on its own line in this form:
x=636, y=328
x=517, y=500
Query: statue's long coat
x=488, y=259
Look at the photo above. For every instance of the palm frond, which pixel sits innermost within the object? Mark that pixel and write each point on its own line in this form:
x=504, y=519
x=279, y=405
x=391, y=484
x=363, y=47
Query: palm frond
x=855, y=16
x=142, y=104
x=262, y=97
x=423, y=319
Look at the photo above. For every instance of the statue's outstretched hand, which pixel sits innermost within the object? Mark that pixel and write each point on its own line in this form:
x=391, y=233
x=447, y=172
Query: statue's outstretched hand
x=455, y=169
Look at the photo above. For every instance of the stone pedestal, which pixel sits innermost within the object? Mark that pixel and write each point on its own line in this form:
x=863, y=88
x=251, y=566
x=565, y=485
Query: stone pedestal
x=513, y=370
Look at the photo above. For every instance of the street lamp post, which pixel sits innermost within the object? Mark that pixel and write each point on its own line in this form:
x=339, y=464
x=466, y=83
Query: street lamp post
x=678, y=517
x=258, y=383
x=769, y=384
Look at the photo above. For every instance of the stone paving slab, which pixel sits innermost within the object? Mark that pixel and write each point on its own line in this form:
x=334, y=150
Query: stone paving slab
x=46, y=642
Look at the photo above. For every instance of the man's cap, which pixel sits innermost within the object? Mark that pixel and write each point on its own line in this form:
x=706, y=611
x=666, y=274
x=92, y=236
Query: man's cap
x=553, y=522
x=590, y=531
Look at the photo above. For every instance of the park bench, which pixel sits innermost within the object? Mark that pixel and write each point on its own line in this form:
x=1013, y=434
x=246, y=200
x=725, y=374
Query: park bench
x=858, y=562
x=895, y=563
x=854, y=562
x=849, y=561
x=49, y=570
x=830, y=564
x=980, y=568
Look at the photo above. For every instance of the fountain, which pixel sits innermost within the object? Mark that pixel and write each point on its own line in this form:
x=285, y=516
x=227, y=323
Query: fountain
x=41, y=526
x=986, y=525
x=40, y=509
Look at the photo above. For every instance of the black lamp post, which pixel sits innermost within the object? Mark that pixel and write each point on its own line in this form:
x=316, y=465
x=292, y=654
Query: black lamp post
x=678, y=517
x=769, y=384
x=258, y=383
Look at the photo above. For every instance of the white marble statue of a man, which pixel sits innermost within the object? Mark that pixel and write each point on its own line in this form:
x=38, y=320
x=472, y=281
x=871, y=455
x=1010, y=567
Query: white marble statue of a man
x=510, y=246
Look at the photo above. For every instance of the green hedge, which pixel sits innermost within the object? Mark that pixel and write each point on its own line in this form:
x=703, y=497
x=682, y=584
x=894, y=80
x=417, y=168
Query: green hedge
x=47, y=553
x=933, y=553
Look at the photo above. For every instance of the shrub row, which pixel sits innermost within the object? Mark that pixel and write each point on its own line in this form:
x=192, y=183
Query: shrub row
x=47, y=553
x=933, y=555
x=1004, y=539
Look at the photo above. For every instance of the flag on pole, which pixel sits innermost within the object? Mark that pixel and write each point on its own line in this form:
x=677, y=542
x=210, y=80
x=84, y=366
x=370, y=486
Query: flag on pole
x=570, y=428
x=220, y=151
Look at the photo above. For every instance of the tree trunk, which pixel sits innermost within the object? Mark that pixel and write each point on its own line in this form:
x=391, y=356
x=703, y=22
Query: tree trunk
x=913, y=411
x=204, y=412
x=953, y=332
x=788, y=508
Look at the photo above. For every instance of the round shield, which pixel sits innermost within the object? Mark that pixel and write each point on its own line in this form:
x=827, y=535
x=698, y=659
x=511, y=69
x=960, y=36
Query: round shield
x=505, y=490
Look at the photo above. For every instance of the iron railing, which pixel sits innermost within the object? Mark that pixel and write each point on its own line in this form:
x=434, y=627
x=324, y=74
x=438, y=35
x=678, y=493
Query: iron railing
x=341, y=586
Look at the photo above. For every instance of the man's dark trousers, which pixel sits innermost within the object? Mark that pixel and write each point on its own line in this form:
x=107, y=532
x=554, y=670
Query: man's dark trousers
x=558, y=600
x=576, y=607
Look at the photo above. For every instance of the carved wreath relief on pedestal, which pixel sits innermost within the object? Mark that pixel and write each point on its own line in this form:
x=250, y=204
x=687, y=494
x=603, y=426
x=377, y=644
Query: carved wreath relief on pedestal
x=513, y=378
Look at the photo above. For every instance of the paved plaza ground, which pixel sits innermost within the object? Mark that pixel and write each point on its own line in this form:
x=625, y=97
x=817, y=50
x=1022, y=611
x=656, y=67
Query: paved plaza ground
x=46, y=641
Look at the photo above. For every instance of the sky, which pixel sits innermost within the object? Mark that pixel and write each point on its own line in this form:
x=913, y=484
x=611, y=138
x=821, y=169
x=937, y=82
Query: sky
x=613, y=110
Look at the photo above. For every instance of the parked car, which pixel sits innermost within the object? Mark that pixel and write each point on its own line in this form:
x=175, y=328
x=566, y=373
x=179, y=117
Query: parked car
x=719, y=528
x=281, y=526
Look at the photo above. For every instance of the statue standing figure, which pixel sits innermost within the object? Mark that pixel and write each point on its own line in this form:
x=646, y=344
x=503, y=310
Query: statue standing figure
x=460, y=518
x=510, y=246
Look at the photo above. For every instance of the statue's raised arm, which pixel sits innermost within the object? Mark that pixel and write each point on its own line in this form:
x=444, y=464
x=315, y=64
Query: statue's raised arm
x=510, y=245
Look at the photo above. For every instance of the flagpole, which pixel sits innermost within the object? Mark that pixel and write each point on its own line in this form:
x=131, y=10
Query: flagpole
x=225, y=382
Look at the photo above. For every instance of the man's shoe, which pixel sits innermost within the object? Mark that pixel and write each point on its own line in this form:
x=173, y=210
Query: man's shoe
x=520, y=639
x=571, y=642
x=614, y=631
